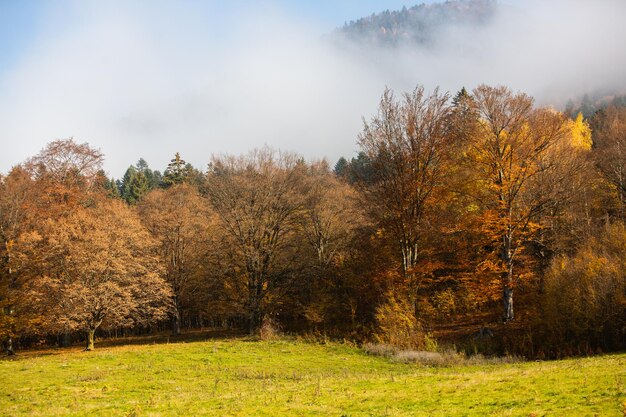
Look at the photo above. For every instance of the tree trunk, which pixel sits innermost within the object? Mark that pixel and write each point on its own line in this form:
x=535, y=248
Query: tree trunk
x=176, y=323
x=254, y=319
x=66, y=339
x=8, y=346
x=255, y=296
x=507, y=281
x=176, y=318
x=508, y=304
x=90, y=339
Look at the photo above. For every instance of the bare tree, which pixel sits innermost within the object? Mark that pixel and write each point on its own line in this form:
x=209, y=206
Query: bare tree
x=406, y=144
x=255, y=198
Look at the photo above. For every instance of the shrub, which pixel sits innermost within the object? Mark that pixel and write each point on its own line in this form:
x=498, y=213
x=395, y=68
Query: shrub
x=397, y=325
x=584, y=299
x=270, y=329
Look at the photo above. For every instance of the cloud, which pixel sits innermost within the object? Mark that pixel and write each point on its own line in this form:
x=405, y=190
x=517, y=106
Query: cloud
x=148, y=79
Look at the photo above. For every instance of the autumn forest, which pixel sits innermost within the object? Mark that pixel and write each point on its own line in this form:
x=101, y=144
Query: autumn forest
x=477, y=219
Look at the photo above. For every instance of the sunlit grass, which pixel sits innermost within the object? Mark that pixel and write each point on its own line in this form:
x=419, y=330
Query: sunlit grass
x=238, y=377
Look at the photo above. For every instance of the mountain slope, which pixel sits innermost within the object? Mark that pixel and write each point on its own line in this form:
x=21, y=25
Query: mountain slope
x=420, y=24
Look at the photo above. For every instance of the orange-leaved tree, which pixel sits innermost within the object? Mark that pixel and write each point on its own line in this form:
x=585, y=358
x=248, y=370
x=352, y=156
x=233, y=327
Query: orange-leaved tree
x=518, y=154
x=95, y=268
x=180, y=221
x=407, y=145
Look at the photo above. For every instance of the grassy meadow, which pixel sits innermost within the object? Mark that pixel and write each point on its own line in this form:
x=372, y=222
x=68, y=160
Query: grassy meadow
x=241, y=377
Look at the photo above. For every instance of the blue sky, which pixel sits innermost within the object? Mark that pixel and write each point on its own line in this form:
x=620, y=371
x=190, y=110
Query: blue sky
x=19, y=21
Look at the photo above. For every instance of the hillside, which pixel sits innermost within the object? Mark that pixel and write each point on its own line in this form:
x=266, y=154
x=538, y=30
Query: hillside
x=420, y=24
x=242, y=377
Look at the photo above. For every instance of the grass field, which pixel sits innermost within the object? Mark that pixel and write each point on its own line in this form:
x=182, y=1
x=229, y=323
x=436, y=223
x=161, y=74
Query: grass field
x=239, y=377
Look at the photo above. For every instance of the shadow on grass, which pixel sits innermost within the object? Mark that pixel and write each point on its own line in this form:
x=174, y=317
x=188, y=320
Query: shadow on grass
x=189, y=336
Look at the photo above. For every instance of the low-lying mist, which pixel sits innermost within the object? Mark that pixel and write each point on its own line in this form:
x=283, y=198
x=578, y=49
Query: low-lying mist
x=146, y=79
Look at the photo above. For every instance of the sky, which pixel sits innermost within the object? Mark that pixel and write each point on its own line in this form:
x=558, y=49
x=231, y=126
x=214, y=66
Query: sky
x=148, y=78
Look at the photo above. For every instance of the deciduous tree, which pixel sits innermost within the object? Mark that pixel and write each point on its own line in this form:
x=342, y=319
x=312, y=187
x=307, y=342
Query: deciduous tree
x=406, y=145
x=180, y=220
x=94, y=268
x=255, y=198
x=511, y=153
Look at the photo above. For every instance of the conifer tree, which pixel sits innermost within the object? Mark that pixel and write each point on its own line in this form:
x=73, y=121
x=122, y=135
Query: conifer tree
x=177, y=171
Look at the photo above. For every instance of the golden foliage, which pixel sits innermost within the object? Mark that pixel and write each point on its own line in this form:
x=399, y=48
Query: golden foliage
x=397, y=324
x=580, y=133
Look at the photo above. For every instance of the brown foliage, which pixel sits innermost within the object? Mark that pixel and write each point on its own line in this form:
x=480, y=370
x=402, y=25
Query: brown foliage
x=451, y=208
x=406, y=144
x=94, y=268
x=517, y=152
x=180, y=221
x=256, y=199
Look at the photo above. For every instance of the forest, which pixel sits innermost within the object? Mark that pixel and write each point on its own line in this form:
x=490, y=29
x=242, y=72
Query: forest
x=476, y=218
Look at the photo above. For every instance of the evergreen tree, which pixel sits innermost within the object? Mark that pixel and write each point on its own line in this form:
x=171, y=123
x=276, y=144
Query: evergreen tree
x=142, y=165
x=461, y=97
x=619, y=101
x=361, y=169
x=570, y=109
x=587, y=107
x=341, y=166
x=154, y=177
x=177, y=171
x=124, y=186
x=138, y=187
x=112, y=189
x=134, y=185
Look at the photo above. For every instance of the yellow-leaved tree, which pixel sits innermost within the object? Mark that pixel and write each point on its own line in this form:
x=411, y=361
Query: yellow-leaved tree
x=523, y=157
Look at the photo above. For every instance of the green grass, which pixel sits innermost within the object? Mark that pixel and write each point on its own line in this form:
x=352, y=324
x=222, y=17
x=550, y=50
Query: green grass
x=237, y=377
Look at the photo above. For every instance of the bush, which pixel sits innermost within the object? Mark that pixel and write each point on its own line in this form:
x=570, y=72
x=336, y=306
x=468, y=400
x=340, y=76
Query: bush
x=584, y=299
x=448, y=357
x=270, y=329
x=397, y=325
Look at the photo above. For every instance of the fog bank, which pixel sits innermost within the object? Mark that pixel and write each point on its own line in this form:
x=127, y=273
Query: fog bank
x=147, y=79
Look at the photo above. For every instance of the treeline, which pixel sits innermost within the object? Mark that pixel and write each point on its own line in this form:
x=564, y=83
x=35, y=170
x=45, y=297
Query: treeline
x=421, y=24
x=455, y=211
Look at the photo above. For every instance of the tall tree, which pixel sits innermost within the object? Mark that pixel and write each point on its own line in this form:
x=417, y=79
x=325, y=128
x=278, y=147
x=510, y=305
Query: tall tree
x=330, y=214
x=154, y=178
x=67, y=162
x=406, y=145
x=179, y=219
x=134, y=185
x=610, y=149
x=255, y=199
x=341, y=166
x=176, y=171
x=15, y=196
x=511, y=153
x=330, y=219
x=60, y=179
x=94, y=268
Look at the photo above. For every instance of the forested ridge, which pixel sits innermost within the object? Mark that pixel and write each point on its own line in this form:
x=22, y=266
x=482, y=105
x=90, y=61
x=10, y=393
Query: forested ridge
x=477, y=214
x=421, y=24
